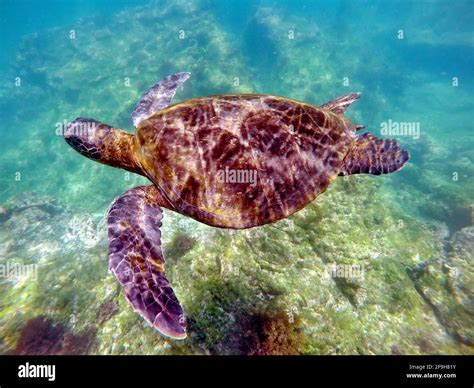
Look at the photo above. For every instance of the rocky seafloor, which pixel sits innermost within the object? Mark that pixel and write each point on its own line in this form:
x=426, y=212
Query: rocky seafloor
x=260, y=291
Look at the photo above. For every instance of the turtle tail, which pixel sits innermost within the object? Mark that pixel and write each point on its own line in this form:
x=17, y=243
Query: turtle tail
x=371, y=155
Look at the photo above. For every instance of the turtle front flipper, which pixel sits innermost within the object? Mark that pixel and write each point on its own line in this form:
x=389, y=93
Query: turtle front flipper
x=136, y=259
x=371, y=155
x=158, y=97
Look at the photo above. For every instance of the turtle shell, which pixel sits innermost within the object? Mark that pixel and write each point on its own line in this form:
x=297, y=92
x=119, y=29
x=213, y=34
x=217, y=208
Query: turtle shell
x=239, y=161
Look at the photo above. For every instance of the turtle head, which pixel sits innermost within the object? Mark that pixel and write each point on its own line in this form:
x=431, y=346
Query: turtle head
x=102, y=143
x=87, y=136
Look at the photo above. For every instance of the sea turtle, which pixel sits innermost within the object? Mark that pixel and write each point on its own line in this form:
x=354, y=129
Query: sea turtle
x=231, y=161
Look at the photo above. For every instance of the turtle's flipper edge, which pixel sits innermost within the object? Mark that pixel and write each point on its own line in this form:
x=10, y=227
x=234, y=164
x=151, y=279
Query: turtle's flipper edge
x=136, y=259
x=158, y=97
x=341, y=103
x=371, y=155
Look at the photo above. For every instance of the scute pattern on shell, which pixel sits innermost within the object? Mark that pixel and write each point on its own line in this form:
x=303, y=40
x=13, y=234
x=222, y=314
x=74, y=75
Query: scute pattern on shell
x=294, y=149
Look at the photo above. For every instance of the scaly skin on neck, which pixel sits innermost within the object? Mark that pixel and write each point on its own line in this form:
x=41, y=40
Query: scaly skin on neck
x=118, y=150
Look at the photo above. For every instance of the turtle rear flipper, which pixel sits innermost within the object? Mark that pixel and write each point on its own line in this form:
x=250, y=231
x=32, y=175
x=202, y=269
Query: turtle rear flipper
x=371, y=155
x=136, y=259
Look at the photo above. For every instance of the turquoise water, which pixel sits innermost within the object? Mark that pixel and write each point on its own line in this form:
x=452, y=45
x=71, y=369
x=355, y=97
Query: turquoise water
x=413, y=63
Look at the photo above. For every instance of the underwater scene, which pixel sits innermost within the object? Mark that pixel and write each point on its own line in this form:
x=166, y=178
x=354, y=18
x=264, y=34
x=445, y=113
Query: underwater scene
x=375, y=265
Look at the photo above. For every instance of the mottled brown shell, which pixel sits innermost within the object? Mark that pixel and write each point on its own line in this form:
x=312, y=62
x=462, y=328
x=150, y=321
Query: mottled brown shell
x=294, y=150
